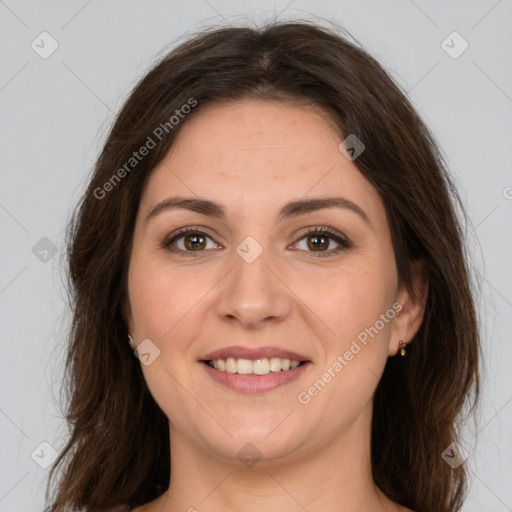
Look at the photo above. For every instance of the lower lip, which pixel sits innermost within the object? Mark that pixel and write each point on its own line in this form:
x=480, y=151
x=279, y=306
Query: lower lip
x=255, y=383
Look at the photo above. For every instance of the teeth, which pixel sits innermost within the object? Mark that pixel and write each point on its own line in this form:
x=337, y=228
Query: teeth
x=256, y=367
x=275, y=364
x=244, y=366
x=231, y=365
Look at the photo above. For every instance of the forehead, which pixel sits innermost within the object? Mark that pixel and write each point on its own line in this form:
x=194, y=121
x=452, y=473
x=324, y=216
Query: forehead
x=259, y=153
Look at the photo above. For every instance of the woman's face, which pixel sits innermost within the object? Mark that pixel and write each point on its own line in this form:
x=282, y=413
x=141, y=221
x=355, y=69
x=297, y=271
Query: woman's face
x=256, y=278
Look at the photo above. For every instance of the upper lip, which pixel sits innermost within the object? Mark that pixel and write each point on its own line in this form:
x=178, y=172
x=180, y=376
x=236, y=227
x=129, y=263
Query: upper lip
x=239, y=352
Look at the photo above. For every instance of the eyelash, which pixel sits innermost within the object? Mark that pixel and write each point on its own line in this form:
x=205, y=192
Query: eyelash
x=343, y=242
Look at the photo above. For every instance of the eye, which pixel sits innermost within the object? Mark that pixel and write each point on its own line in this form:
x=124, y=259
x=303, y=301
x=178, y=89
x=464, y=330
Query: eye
x=320, y=240
x=188, y=241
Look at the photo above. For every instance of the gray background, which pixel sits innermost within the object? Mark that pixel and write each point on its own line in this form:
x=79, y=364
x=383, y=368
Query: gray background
x=55, y=113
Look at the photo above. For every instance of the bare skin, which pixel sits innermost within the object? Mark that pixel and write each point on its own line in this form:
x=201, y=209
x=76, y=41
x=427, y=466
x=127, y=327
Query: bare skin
x=253, y=157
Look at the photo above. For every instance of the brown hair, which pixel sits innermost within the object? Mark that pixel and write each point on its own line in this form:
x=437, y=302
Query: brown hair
x=118, y=449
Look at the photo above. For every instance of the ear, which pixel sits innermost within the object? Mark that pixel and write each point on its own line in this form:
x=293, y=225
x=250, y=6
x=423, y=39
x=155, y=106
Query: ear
x=408, y=320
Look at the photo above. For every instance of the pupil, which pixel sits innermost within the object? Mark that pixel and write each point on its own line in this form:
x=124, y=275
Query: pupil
x=191, y=242
x=318, y=244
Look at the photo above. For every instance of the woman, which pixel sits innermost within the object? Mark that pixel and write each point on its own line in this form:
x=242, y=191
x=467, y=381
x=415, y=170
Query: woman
x=270, y=230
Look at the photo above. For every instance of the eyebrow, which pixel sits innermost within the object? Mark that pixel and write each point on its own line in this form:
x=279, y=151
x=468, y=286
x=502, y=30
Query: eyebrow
x=291, y=209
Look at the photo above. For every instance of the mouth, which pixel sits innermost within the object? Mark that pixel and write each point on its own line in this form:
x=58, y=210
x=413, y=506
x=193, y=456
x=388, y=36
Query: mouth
x=262, y=366
x=254, y=370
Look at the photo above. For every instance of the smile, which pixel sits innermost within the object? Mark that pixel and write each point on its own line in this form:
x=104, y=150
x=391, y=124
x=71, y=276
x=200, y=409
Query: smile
x=261, y=366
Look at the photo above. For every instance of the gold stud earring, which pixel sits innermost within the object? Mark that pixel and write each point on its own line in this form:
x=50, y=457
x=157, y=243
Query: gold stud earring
x=402, y=348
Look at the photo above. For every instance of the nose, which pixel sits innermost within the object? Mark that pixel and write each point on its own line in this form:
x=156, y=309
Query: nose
x=253, y=293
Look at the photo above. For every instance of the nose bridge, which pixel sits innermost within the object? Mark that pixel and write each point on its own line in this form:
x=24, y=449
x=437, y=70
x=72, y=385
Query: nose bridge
x=252, y=293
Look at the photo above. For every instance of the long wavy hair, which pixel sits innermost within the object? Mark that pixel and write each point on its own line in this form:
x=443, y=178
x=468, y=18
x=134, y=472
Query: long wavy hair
x=118, y=446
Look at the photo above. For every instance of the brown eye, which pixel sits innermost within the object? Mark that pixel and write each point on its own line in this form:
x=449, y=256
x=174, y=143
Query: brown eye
x=193, y=242
x=323, y=242
x=188, y=241
x=318, y=242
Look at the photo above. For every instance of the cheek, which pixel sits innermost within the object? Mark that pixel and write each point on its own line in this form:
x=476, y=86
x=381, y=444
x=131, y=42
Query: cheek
x=160, y=303
x=348, y=299
x=159, y=296
x=355, y=347
x=356, y=354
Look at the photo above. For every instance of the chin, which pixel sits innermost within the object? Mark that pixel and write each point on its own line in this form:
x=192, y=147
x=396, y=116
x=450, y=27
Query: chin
x=263, y=441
